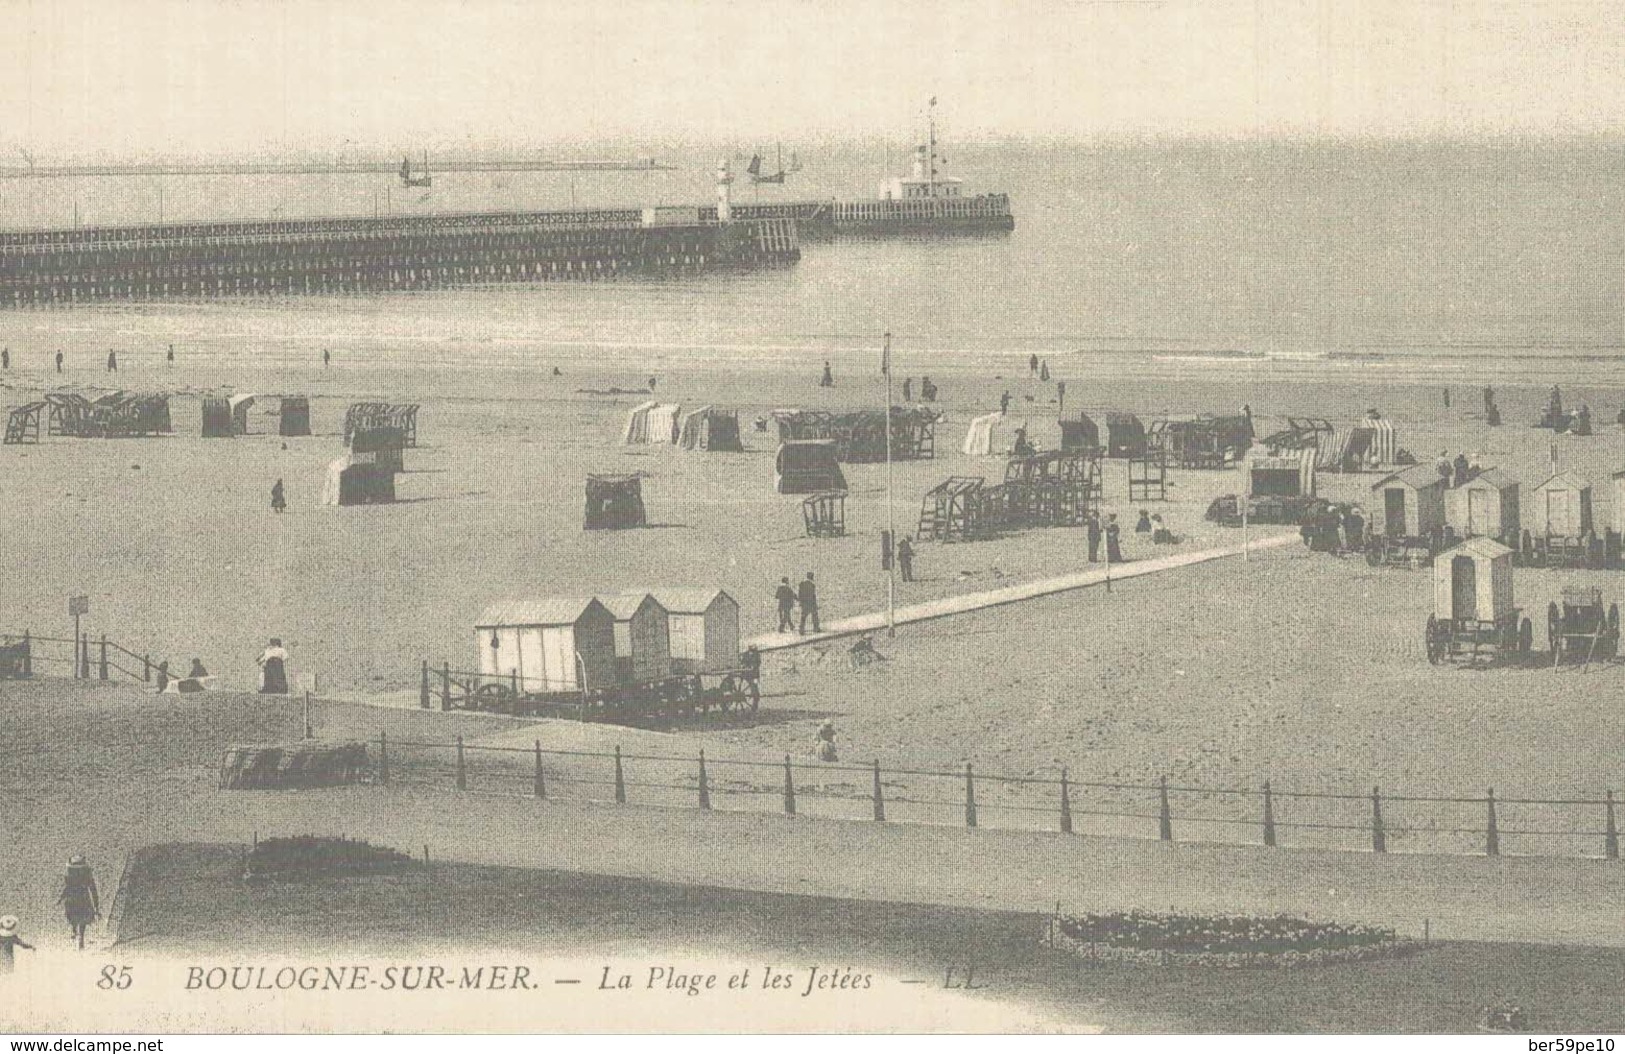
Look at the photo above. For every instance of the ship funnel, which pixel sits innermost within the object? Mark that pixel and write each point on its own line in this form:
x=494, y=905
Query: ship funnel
x=725, y=181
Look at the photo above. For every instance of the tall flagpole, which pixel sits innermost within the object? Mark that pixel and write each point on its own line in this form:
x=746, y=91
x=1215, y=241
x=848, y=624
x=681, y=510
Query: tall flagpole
x=891, y=526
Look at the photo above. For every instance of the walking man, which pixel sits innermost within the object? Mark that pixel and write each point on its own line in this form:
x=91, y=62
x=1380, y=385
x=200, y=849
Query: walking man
x=112, y=361
x=1093, y=526
x=279, y=500
x=59, y=360
x=78, y=898
x=787, y=604
x=1004, y=403
x=327, y=358
x=908, y=389
x=905, y=558
x=828, y=379
x=1032, y=364
x=169, y=357
x=5, y=359
x=808, y=596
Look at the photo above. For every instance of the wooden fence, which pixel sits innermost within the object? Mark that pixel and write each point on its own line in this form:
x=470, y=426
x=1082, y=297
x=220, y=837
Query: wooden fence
x=101, y=659
x=1265, y=814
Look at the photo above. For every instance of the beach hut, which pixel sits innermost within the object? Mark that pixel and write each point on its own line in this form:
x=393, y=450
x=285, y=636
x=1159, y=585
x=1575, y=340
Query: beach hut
x=652, y=422
x=217, y=418
x=1473, y=582
x=1125, y=436
x=240, y=405
x=1562, y=507
x=356, y=479
x=386, y=444
x=294, y=416
x=614, y=502
x=559, y=644
x=703, y=628
x=1410, y=503
x=1486, y=505
x=807, y=466
x=709, y=428
x=1080, y=434
x=642, y=641
x=1288, y=475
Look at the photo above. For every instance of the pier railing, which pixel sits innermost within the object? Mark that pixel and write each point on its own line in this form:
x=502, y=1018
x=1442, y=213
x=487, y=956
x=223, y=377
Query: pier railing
x=24, y=655
x=1268, y=813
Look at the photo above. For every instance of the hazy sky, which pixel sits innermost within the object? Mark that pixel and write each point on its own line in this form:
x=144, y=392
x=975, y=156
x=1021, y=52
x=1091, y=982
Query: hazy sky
x=145, y=76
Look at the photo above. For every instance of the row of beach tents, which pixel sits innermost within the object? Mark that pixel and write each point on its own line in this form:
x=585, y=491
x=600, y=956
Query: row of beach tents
x=707, y=428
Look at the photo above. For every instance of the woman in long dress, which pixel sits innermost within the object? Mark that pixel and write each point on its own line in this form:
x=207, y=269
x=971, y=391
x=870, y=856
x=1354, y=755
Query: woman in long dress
x=273, y=669
x=79, y=899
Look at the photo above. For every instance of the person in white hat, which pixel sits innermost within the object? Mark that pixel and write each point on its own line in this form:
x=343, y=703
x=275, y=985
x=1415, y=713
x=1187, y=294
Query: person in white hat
x=9, y=941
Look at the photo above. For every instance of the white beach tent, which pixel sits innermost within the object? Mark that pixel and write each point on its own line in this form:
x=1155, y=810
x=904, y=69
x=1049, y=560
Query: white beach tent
x=240, y=405
x=652, y=422
x=980, y=440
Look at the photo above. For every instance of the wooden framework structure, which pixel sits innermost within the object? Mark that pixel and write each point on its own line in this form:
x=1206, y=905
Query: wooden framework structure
x=1581, y=626
x=860, y=435
x=948, y=511
x=1203, y=443
x=1474, y=620
x=23, y=424
x=824, y=515
x=359, y=416
x=217, y=418
x=1148, y=476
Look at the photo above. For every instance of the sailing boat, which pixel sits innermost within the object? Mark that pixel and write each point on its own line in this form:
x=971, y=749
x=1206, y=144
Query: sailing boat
x=754, y=169
x=423, y=180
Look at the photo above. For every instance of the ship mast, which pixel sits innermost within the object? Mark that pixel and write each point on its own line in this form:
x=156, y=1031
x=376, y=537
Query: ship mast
x=931, y=140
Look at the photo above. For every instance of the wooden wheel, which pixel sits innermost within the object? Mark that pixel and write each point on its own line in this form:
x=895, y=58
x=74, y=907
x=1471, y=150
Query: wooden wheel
x=493, y=696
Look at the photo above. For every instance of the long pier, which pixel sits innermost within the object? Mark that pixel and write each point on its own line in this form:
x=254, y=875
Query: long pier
x=320, y=168
x=42, y=267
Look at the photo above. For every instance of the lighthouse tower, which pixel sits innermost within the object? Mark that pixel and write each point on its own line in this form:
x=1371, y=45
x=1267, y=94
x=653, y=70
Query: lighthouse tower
x=725, y=181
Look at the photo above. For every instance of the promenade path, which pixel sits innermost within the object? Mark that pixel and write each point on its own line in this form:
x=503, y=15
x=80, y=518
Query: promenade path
x=1043, y=587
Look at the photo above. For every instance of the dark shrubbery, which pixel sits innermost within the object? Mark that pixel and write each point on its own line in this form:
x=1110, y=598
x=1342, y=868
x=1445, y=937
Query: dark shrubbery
x=1223, y=940
x=310, y=856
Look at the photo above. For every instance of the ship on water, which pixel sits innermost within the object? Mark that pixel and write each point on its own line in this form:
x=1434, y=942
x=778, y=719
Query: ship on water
x=392, y=252
x=924, y=203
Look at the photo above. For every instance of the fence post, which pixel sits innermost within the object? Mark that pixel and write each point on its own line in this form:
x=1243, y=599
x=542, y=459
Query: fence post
x=1379, y=836
x=28, y=654
x=1611, y=835
x=383, y=757
x=84, y=657
x=513, y=680
x=1269, y=817
x=308, y=733
x=970, y=797
x=789, y=788
x=1165, y=819
x=146, y=669
x=101, y=667
x=423, y=690
x=1492, y=836
x=462, y=771
x=880, y=800
x=1066, y=805
x=705, y=784
x=445, y=687
x=539, y=788
x=620, y=779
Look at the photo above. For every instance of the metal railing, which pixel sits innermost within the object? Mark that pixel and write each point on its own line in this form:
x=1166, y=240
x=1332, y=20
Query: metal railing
x=1265, y=814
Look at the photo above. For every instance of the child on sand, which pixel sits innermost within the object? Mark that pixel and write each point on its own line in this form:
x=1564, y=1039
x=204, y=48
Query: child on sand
x=9, y=941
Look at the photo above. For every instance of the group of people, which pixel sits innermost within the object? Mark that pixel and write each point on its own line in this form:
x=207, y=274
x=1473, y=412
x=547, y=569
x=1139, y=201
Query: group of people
x=112, y=359
x=1112, y=533
x=789, y=597
x=273, y=664
x=1153, y=525
x=80, y=901
x=928, y=390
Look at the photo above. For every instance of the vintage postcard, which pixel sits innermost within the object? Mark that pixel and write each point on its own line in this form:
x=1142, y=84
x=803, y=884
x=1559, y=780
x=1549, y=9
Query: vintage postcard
x=812, y=516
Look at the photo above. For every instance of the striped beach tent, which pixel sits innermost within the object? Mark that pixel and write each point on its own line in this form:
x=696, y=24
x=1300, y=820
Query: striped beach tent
x=1368, y=446
x=1288, y=475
